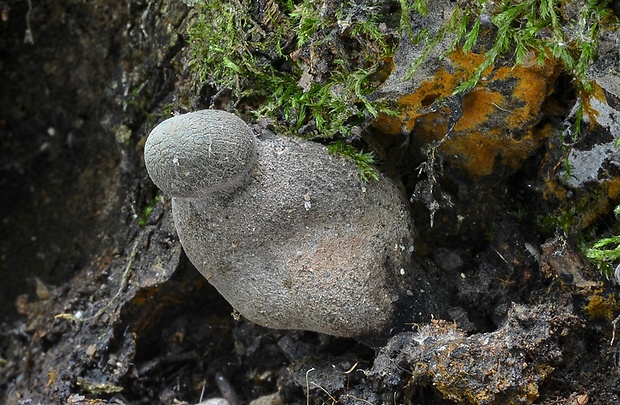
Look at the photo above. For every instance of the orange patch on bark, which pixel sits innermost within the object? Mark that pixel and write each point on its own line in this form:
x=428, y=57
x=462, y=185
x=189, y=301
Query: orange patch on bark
x=497, y=120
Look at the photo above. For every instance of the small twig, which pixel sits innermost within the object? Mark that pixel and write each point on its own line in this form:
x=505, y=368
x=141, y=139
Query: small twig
x=613, y=334
x=202, y=392
x=124, y=281
x=358, y=399
x=308, y=386
x=499, y=108
x=500, y=255
x=325, y=391
x=349, y=371
x=28, y=38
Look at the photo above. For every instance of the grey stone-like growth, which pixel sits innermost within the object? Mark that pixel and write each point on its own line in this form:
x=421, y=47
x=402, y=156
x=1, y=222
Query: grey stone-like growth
x=195, y=154
x=296, y=240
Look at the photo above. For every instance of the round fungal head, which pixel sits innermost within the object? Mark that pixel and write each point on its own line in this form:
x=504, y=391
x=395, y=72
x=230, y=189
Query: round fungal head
x=192, y=155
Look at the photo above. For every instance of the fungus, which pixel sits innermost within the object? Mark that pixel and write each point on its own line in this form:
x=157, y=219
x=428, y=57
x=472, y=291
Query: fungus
x=191, y=155
x=290, y=235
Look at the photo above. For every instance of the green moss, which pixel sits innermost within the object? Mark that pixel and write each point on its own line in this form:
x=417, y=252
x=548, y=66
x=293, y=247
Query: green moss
x=144, y=218
x=307, y=67
x=231, y=50
x=264, y=58
x=562, y=29
x=308, y=20
x=572, y=216
x=234, y=50
x=604, y=253
x=363, y=160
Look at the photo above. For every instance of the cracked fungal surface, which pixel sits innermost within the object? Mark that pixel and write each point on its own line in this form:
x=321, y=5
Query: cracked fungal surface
x=194, y=154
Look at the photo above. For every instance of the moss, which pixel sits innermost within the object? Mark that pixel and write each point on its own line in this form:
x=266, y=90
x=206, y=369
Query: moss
x=547, y=32
x=565, y=31
x=604, y=251
x=361, y=159
x=576, y=215
x=561, y=29
x=306, y=68
x=257, y=55
x=249, y=50
x=144, y=218
x=227, y=46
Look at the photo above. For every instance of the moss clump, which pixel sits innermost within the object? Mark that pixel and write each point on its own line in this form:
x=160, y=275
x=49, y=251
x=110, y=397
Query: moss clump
x=363, y=160
x=232, y=50
x=304, y=67
x=308, y=67
x=605, y=252
x=566, y=30
x=146, y=212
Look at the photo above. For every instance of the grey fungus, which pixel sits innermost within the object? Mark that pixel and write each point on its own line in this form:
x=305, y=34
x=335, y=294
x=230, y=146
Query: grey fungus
x=289, y=235
x=192, y=155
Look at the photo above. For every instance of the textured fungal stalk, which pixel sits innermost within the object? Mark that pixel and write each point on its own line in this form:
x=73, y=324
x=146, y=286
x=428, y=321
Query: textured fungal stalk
x=192, y=155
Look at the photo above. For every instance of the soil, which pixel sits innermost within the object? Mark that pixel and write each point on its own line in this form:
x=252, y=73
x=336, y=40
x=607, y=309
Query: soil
x=101, y=306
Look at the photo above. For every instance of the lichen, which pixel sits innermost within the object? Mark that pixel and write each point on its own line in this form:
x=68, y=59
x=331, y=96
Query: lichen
x=507, y=366
x=602, y=307
x=557, y=29
x=477, y=79
x=492, y=123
